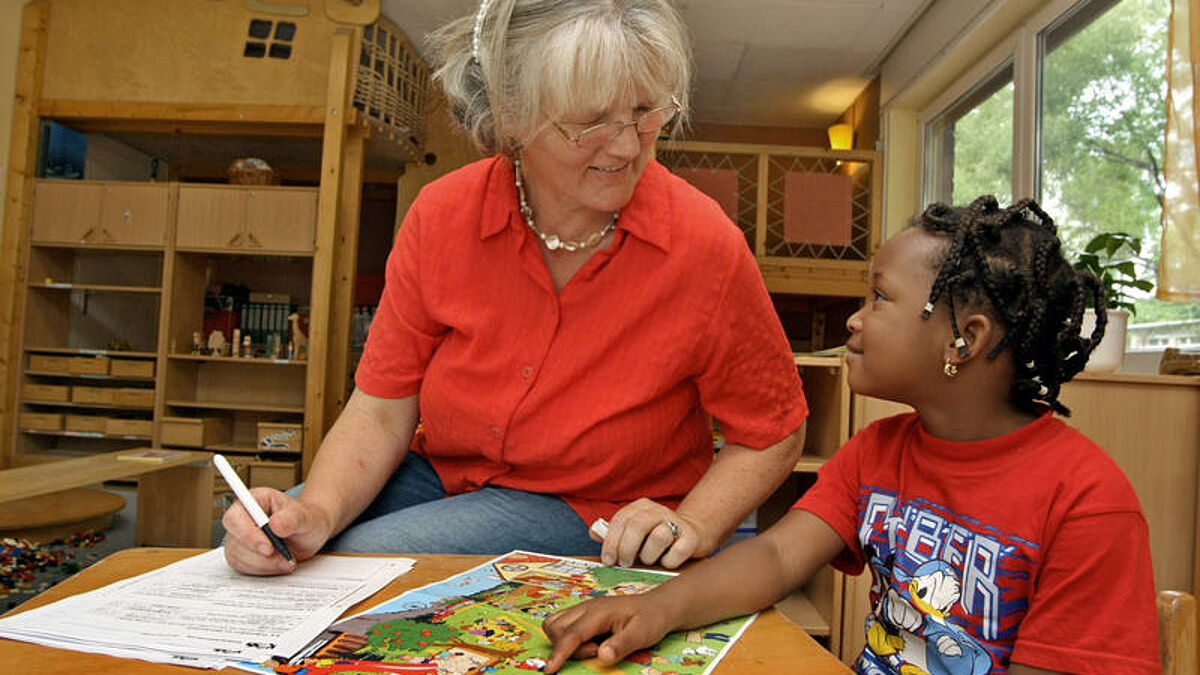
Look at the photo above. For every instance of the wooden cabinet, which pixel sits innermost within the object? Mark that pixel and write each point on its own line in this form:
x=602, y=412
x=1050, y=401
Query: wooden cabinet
x=91, y=333
x=112, y=302
x=252, y=219
x=100, y=213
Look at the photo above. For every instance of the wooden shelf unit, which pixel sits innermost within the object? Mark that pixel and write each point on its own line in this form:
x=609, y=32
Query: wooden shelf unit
x=347, y=106
x=82, y=299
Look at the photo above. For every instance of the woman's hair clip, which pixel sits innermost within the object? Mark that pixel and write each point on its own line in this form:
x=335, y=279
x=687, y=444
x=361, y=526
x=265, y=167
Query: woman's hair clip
x=475, y=35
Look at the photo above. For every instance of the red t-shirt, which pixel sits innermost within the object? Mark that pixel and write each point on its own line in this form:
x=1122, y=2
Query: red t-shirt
x=1031, y=547
x=600, y=392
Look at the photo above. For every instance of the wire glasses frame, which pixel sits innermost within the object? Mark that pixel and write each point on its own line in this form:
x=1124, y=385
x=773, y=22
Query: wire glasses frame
x=647, y=125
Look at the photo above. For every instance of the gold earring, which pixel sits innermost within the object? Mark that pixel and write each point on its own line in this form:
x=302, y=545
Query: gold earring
x=950, y=368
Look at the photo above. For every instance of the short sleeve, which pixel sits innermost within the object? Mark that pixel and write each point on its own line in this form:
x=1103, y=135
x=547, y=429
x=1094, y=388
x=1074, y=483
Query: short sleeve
x=834, y=499
x=1093, y=608
x=749, y=380
x=403, y=335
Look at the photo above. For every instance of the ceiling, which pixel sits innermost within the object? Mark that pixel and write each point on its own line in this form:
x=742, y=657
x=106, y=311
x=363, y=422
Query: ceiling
x=780, y=63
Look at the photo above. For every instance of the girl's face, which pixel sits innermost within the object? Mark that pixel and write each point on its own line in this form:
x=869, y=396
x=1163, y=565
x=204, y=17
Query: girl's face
x=893, y=352
x=568, y=177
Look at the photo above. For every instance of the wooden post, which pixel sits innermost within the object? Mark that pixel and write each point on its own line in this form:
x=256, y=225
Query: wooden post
x=329, y=209
x=22, y=162
x=344, y=276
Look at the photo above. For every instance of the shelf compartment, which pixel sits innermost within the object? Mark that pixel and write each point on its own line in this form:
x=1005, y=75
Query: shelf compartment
x=87, y=351
x=828, y=398
x=235, y=384
x=240, y=361
x=92, y=320
x=57, y=267
x=89, y=406
x=86, y=434
x=229, y=405
x=195, y=272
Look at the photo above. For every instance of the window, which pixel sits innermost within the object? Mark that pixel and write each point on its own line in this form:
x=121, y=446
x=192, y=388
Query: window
x=1069, y=109
x=968, y=146
x=1102, y=120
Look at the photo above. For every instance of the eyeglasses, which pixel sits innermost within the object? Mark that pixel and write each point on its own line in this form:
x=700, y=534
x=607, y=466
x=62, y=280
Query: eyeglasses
x=647, y=125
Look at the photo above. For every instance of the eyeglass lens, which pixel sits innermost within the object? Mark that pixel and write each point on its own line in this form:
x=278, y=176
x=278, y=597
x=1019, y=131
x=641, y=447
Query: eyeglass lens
x=649, y=123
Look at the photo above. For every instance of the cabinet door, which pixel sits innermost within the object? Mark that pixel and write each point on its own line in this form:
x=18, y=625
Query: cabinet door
x=281, y=220
x=134, y=215
x=210, y=218
x=66, y=213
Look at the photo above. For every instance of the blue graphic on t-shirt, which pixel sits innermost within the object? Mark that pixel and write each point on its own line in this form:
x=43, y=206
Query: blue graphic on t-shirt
x=947, y=592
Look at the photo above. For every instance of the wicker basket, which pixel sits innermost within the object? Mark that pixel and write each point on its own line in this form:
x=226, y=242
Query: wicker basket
x=252, y=176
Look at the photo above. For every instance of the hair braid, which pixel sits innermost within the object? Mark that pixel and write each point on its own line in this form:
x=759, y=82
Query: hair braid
x=1009, y=262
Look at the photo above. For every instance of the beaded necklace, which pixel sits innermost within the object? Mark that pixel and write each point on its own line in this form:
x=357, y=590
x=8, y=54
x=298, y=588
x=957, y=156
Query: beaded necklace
x=552, y=241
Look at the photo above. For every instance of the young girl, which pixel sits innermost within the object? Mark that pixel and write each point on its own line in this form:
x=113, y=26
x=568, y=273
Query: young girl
x=999, y=539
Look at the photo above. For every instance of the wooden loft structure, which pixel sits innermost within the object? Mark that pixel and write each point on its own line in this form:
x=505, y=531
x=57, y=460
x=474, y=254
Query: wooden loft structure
x=329, y=91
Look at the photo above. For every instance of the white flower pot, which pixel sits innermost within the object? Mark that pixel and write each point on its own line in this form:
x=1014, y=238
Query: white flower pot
x=1110, y=353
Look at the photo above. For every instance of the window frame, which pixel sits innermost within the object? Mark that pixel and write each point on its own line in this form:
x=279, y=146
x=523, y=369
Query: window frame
x=1023, y=47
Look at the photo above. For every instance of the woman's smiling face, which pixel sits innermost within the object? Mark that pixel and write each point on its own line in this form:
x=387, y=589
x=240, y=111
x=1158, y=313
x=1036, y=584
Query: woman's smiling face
x=567, y=177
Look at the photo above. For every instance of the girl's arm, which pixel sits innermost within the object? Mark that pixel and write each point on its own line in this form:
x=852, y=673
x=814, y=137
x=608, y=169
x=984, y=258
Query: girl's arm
x=745, y=578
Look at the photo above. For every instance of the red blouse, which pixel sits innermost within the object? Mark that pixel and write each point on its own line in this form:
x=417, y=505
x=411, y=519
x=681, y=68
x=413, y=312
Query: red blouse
x=600, y=392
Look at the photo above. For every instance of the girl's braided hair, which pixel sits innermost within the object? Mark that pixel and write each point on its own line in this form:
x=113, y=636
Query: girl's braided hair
x=1010, y=259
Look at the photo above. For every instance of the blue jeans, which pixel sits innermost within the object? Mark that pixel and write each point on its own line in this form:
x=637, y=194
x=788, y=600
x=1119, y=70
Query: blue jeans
x=412, y=514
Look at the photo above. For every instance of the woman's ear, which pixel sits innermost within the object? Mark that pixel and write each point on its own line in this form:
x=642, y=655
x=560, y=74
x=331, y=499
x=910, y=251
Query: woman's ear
x=979, y=332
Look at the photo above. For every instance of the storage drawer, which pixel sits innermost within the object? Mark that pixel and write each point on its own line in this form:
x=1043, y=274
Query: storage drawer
x=49, y=364
x=130, y=368
x=46, y=393
x=115, y=426
x=278, y=475
x=134, y=398
x=87, y=423
x=42, y=421
x=88, y=365
x=196, y=432
x=280, y=437
x=93, y=395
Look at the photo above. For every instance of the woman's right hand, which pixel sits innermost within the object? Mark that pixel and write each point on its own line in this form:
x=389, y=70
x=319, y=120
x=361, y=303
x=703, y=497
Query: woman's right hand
x=302, y=526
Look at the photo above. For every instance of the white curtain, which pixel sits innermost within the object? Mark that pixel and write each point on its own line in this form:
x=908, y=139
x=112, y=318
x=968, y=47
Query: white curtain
x=1179, y=271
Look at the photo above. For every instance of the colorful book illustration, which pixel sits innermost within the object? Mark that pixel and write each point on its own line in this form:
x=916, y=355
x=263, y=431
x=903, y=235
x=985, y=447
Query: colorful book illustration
x=488, y=620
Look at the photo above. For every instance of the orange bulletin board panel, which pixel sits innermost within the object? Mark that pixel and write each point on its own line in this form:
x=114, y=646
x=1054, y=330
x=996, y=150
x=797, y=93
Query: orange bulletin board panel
x=817, y=208
x=720, y=184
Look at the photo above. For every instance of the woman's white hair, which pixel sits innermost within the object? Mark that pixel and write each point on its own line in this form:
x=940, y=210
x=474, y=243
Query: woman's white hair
x=515, y=65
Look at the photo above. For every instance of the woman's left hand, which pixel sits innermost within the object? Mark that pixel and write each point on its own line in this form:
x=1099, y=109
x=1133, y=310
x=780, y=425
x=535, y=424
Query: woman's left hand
x=649, y=532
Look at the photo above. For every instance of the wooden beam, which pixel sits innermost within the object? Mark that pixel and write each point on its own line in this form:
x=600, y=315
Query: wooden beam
x=143, y=113
x=344, y=276
x=333, y=145
x=22, y=163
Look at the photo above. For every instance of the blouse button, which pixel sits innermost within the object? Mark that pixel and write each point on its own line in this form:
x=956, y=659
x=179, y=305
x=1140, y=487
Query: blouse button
x=527, y=372
x=495, y=432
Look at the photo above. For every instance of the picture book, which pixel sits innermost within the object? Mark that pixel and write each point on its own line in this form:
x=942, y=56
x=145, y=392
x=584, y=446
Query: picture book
x=488, y=620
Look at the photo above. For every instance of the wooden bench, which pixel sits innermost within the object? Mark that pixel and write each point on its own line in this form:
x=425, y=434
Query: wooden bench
x=174, y=492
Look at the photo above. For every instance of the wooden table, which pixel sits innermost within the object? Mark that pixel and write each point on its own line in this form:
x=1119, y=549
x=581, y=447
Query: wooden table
x=175, y=495
x=771, y=644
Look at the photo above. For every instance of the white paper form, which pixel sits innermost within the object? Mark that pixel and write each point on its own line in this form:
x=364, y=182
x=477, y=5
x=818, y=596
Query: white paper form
x=202, y=613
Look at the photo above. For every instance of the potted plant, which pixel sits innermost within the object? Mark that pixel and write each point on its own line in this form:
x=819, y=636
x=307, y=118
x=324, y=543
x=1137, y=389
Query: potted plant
x=1115, y=258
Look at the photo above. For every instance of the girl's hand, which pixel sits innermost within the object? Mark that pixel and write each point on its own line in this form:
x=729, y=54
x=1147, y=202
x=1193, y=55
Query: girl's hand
x=607, y=628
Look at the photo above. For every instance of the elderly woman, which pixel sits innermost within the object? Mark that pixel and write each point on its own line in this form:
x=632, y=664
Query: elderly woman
x=565, y=318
